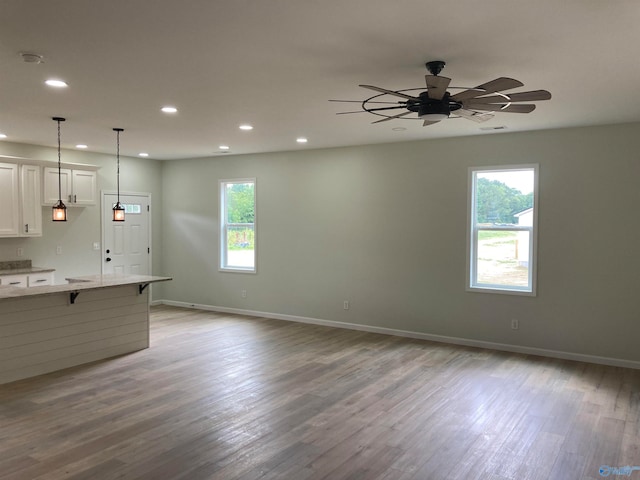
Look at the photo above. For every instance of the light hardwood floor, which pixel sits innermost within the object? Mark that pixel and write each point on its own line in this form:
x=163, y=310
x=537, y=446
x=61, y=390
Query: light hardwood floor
x=232, y=397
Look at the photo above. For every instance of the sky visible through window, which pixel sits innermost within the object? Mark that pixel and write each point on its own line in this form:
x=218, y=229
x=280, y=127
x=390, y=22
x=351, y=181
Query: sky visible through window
x=520, y=180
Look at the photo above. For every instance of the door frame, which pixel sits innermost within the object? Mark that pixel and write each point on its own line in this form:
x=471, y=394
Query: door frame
x=103, y=194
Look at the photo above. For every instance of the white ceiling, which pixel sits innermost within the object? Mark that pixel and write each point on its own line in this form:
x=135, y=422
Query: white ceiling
x=276, y=63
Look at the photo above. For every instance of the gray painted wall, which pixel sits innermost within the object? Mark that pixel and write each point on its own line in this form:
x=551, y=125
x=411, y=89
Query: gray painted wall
x=384, y=227
x=82, y=229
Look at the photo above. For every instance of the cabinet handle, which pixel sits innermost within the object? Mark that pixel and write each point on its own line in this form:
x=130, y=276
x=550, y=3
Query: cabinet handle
x=41, y=280
x=26, y=227
x=69, y=198
x=15, y=283
x=75, y=199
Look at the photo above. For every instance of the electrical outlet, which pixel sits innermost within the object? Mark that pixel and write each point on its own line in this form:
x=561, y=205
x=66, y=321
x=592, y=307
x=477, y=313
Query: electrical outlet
x=243, y=294
x=514, y=324
x=20, y=251
x=96, y=245
x=59, y=250
x=345, y=305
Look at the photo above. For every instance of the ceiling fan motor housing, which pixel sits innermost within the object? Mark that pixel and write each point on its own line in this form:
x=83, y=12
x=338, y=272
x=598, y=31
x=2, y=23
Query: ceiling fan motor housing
x=435, y=108
x=430, y=108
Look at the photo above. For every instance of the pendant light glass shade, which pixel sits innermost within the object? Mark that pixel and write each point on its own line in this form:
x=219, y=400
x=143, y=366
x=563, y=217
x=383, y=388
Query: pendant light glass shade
x=118, y=212
x=118, y=209
x=59, y=213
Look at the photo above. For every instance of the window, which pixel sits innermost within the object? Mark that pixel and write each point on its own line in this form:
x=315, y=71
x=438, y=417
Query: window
x=503, y=220
x=238, y=225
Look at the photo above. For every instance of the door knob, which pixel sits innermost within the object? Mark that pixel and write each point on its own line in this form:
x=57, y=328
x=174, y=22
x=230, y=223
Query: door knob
x=108, y=259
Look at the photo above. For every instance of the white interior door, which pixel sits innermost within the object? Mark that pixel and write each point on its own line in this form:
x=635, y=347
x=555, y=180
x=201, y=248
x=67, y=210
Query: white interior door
x=126, y=246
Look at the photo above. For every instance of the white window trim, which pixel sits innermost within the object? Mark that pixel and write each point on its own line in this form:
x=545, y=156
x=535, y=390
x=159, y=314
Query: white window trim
x=223, y=232
x=472, y=234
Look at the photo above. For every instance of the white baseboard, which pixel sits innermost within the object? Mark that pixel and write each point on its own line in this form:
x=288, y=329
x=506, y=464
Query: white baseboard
x=542, y=352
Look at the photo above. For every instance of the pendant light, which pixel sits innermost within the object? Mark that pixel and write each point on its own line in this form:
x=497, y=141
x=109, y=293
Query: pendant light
x=118, y=209
x=59, y=209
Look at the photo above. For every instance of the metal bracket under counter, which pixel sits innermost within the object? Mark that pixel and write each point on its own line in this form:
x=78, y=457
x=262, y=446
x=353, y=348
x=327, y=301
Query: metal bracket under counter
x=73, y=295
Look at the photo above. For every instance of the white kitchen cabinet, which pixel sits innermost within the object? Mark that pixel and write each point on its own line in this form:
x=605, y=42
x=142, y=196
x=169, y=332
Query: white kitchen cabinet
x=50, y=185
x=25, y=280
x=78, y=188
x=40, y=279
x=30, y=204
x=84, y=187
x=9, y=200
x=14, y=281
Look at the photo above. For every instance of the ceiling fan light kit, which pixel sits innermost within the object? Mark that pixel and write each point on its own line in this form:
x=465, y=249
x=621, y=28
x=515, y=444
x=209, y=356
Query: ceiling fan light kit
x=435, y=104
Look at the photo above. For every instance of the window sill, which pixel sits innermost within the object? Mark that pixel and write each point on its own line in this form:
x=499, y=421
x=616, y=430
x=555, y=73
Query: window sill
x=237, y=270
x=501, y=291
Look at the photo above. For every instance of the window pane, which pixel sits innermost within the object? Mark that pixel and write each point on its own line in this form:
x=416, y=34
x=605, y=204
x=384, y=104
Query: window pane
x=237, y=226
x=503, y=258
x=503, y=196
x=132, y=208
x=240, y=246
x=240, y=202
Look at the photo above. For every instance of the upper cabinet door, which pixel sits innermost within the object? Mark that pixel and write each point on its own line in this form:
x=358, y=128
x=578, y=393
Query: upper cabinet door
x=84, y=187
x=10, y=200
x=50, y=188
x=31, y=209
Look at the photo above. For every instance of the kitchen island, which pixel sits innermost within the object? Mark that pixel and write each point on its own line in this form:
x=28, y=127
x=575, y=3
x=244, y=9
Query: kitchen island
x=48, y=328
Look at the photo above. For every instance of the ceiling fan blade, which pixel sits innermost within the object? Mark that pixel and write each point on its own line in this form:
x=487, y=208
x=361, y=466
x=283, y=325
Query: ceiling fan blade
x=373, y=101
x=515, y=97
x=390, y=92
x=474, y=116
x=347, y=113
x=497, y=85
x=372, y=110
x=436, y=86
x=391, y=118
x=522, y=108
x=493, y=107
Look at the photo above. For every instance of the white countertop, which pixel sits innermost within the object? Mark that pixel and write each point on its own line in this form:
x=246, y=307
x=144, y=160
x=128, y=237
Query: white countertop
x=77, y=284
x=25, y=271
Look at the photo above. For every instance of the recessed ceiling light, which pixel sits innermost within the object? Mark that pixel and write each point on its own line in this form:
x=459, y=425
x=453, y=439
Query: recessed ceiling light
x=52, y=82
x=81, y=145
x=246, y=127
x=2, y=135
x=143, y=154
x=301, y=140
x=224, y=147
x=169, y=109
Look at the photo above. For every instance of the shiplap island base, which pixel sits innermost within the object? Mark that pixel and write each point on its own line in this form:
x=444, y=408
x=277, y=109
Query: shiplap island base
x=48, y=328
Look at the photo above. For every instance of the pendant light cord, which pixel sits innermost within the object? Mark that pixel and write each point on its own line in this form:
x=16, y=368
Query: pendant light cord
x=118, y=169
x=59, y=170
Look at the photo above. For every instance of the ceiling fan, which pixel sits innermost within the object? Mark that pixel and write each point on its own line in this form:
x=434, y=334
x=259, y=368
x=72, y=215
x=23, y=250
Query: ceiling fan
x=436, y=104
